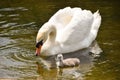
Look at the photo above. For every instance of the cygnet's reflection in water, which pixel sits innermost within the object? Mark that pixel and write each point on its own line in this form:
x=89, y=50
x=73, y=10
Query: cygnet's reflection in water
x=47, y=66
x=59, y=74
x=69, y=73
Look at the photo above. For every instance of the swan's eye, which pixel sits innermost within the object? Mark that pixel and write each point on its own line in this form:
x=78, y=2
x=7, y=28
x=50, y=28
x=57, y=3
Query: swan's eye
x=39, y=43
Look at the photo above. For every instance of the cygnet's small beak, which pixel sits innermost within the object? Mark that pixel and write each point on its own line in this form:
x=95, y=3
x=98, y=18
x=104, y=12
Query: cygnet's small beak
x=38, y=49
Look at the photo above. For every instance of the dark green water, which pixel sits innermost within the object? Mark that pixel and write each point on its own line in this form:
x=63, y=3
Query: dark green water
x=19, y=23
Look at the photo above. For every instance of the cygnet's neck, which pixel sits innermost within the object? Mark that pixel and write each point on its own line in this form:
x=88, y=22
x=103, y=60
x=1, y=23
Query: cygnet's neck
x=60, y=61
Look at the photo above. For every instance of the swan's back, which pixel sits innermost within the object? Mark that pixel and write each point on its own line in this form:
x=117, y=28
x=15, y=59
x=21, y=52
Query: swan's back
x=76, y=28
x=62, y=18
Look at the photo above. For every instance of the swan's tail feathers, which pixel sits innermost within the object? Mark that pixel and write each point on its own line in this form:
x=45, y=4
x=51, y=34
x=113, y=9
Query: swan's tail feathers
x=96, y=23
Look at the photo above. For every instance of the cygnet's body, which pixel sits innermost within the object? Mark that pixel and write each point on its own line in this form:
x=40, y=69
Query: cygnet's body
x=69, y=62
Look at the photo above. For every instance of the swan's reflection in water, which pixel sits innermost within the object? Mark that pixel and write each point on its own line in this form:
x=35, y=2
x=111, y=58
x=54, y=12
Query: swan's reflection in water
x=46, y=74
x=47, y=67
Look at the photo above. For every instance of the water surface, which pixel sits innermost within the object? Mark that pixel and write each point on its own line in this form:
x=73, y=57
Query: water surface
x=19, y=23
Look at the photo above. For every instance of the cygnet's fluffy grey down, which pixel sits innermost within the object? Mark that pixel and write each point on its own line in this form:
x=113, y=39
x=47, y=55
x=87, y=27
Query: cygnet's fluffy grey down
x=69, y=62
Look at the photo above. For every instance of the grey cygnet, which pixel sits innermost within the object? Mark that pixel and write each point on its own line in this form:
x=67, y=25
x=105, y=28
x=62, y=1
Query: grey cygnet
x=69, y=62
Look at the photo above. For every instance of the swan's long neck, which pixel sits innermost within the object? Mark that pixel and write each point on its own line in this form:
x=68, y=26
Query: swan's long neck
x=47, y=33
x=50, y=34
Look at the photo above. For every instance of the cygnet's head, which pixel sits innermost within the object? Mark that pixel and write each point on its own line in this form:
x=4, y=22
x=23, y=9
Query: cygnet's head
x=59, y=57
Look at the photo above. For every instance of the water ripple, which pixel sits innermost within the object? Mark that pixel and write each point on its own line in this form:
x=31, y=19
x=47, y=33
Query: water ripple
x=1, y=22
x=28, y=24
x=13, y=15
x=1, y=15
x=13, y=9
x=8, y=24
x=5, y=41
x=25, y=57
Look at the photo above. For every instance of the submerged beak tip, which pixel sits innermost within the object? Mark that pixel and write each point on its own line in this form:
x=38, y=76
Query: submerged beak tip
x=38, y=47
x=36, y=54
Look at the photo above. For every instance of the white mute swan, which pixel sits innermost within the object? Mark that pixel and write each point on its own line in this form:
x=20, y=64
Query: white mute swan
x=68, y=30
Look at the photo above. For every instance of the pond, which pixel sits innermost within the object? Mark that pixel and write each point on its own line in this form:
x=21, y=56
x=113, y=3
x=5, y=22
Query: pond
x=19, y=23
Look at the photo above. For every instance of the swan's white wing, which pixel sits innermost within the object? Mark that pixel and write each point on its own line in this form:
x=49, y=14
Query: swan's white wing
x=76, y=28
x=80, y=31
x=79, y=27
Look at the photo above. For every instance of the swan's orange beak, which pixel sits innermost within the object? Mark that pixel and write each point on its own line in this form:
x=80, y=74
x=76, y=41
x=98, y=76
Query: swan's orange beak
x=38, y=49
